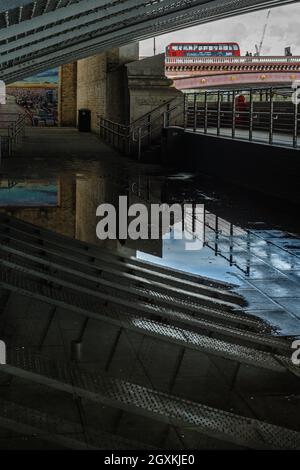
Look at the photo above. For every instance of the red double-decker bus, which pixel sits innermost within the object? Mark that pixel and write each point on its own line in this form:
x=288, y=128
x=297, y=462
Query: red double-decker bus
x=203, y=49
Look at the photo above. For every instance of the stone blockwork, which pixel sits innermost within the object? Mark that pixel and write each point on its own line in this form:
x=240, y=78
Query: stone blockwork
x=91, y=86
x=114, y=85
x=148, y=86
x=102, y=84
x=67, y=95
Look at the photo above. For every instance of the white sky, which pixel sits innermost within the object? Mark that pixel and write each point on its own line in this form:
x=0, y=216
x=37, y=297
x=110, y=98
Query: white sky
x=283, y=30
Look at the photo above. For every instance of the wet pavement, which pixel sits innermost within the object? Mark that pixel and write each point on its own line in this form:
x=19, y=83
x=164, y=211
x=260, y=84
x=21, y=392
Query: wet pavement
x=57, y=180
x=261, y=255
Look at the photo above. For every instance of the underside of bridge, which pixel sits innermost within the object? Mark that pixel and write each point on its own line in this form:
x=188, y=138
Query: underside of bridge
x=38, y=35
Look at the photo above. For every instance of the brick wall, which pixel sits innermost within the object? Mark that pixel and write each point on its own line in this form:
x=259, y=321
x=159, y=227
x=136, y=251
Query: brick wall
x=98, y=83
x=102, y=84
x=149, y=88
x=91, y=86
x=67, y=101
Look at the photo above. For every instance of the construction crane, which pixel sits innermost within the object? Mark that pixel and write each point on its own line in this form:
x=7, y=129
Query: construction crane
x=259, y=48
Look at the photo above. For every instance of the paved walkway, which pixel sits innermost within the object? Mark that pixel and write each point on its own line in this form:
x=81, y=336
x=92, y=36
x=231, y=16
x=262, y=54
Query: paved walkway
x=280, y=139
x=273, y=286
x=52, y=150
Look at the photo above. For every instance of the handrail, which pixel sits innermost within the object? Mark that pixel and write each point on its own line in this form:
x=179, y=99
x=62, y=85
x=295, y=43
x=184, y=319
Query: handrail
x=152, y=111
x=132, y=139
x=258, y=116
x=14, y=130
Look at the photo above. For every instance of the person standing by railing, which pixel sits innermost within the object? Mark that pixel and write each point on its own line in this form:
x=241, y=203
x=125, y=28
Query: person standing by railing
x=240, y=107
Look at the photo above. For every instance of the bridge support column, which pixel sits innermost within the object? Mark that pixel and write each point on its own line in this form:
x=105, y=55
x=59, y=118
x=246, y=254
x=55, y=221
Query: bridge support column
x=102, y=84
x=114, y=85
x=148, y=86
x=98, y=83
x=67, y=101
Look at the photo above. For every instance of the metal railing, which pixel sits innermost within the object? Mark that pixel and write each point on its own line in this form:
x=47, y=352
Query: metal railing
x=267, y=115
x=145, y=132
x=12, y=131
x=233, y=60
x=264, y=114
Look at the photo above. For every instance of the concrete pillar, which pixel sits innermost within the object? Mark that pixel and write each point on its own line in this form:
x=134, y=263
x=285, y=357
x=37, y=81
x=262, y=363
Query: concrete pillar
x=102, y=84
x=114, y=85
x=148, y=86
x=67, y=100
x=91, y=86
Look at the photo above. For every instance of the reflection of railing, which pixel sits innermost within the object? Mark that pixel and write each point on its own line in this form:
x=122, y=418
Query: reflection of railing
x=12, y=130
x=255, y=114
x=141, y=134
x=225, y=239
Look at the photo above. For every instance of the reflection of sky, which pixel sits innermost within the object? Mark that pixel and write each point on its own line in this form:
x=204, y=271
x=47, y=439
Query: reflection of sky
x=201, y=261
x=33, y=195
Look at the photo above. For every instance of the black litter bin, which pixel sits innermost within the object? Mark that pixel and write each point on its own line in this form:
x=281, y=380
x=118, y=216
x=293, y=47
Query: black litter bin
x=84, y=120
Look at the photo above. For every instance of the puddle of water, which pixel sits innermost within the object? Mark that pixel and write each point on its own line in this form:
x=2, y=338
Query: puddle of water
x=239, y=238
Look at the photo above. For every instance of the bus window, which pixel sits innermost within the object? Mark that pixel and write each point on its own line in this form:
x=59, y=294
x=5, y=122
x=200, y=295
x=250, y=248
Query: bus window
x=225, y=47
x=200, y=48
x=216, y=48
x=235, y=47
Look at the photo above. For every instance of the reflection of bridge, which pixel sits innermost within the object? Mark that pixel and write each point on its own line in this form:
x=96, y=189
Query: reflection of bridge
x=191, y=73
x=36, y=36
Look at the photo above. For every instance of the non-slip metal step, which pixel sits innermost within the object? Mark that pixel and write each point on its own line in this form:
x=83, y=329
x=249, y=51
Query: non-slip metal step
x=42, y=426
x=105, y=275
x=141, y=307
x=83, y=305
x=18, y=251
x=126, y=265
x=84, y=247
x=178, y=412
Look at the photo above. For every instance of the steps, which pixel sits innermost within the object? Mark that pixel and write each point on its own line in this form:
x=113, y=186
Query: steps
x=40, y=266
x=16, y=281
x=58, y=431
x=249, y=433
x=188, y=311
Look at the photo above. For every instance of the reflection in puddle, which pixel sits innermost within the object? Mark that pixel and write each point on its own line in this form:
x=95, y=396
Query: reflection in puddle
x=29, y=193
